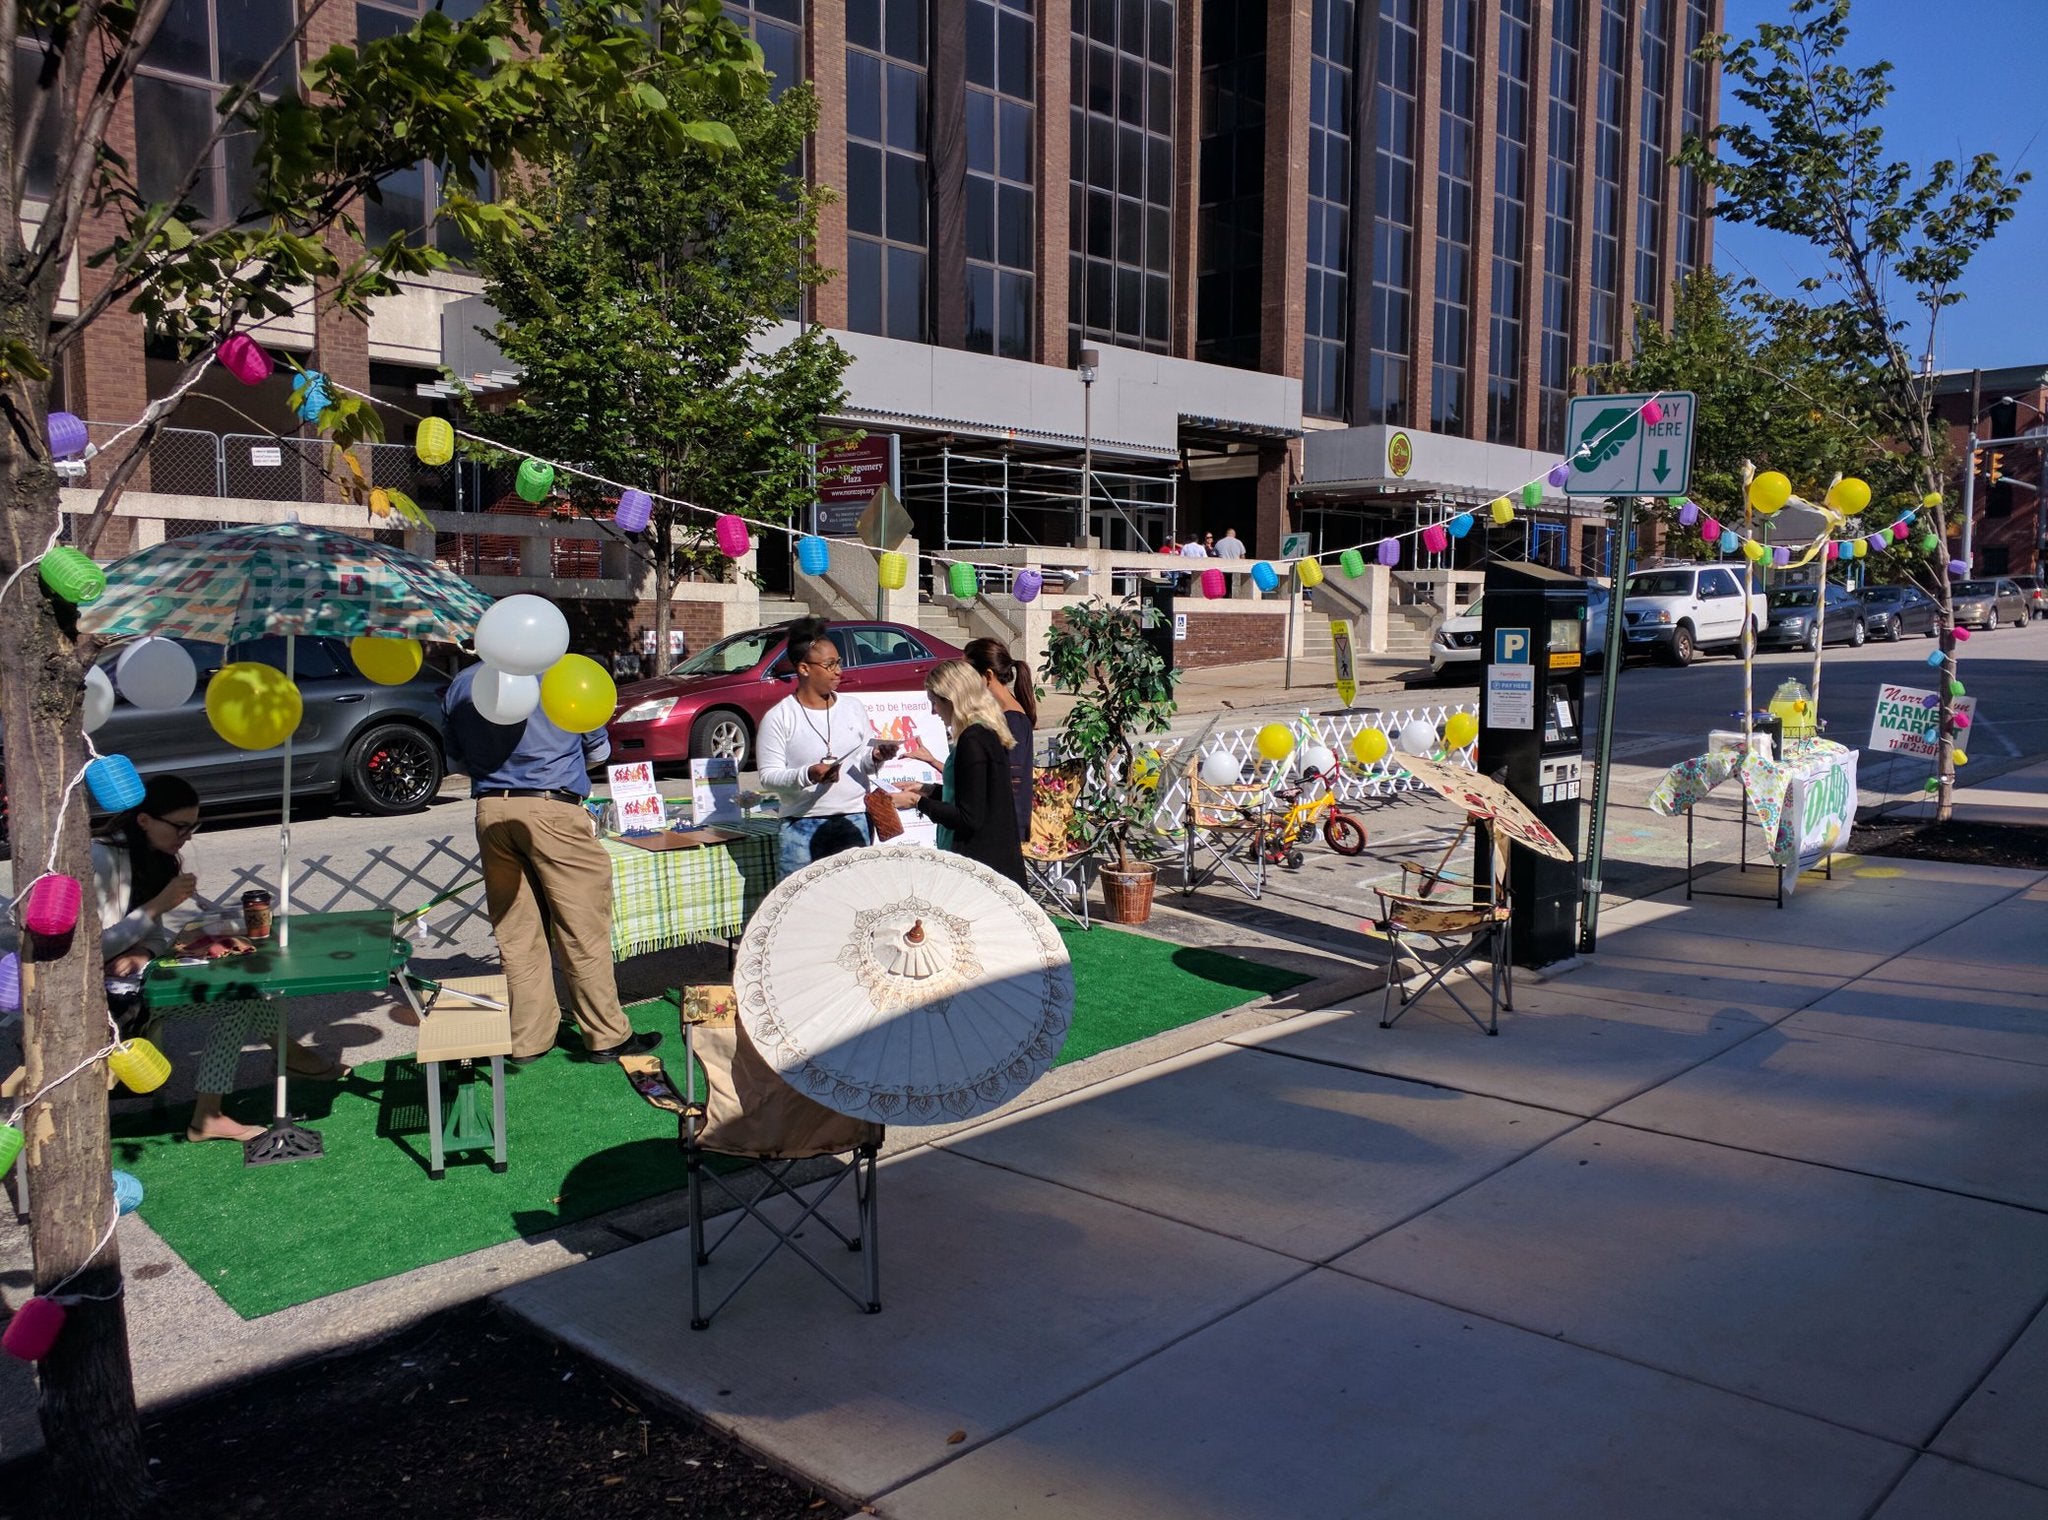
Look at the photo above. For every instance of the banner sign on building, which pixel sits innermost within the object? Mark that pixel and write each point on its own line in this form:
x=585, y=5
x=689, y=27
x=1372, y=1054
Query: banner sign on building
x=849, y=475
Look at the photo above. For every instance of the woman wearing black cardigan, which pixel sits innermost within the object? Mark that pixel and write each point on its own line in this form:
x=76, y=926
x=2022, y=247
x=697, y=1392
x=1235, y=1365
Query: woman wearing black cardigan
x=973, y=806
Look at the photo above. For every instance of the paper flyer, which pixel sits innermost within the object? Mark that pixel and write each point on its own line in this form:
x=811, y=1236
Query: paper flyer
x=636, y=800
x=904, y=715
x=714, y=792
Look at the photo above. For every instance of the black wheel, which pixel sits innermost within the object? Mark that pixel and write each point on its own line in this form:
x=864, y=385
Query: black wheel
x=1308, y=833
x=1857, y=634
x=1294, y=860
x=394, y=768
x=1345, y=834
x=1682, y=646
x=1745, y=647
x=1894, y=630
x=1812, y=639
x=722, y=734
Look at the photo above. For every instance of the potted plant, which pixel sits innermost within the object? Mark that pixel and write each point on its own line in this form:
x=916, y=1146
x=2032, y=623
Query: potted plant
x=1100, y=653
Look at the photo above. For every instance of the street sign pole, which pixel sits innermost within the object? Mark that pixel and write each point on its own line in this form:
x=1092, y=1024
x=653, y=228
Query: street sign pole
x=1610, y=679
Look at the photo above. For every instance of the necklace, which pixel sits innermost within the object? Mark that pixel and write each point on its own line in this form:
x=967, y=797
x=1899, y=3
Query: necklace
x=824, y=734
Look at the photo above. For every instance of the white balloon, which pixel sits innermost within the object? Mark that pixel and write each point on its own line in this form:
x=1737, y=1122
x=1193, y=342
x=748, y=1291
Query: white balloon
x=1314, y=759
x=1221, y=768
x=522, y=635
x=156, y=674
x=503, y=698
x=99, y=698
x=1419, y=737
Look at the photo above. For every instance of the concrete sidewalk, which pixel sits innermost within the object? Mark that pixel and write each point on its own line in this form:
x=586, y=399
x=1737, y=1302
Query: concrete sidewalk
x=1746, y=1215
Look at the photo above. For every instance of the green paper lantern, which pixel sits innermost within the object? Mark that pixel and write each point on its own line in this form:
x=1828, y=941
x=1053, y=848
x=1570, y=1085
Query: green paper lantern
x=71, y=574
x=536, y=479
x=1929, y=543
x=1352, y=563
x=1955, y=689
x=963, y=581
x=1933, y=785
x=1532, y=494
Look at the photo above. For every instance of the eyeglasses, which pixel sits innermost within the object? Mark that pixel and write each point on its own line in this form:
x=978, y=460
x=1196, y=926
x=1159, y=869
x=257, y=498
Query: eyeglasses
x=825, y=664
x=182, y=830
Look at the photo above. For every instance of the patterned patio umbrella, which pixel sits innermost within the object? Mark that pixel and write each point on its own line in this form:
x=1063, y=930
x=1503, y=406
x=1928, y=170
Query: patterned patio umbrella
x=1484, y=798
x=251, y=580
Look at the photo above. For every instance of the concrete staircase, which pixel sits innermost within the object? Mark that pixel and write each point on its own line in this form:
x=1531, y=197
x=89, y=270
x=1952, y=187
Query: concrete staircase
x=781, y=609
x=1408, y=630
x=942, y=622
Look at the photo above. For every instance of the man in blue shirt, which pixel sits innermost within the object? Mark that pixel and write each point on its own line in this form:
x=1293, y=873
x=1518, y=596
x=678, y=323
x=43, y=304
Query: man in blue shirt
x=546, y=878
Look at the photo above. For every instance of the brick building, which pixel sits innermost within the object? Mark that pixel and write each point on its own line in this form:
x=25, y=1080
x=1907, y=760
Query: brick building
x=2010, y=527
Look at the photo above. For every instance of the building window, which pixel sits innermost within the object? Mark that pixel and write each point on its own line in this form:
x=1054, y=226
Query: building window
x=1560, y=224
x=1609, y=91
x=409, y=199
x=777, y=27
x=1655, y=47
x=1393, y=226
x=1002, y=203
x=202, y=48
x=41, y=176
x=887, y=205
x=1457, y=118
x=1325, y=387
x=1688, y=255
x=1231, y=232
x=1510, y=221
x=1120, y=174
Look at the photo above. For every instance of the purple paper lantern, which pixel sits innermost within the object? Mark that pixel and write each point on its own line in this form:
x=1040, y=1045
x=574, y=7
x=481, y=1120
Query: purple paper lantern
x=1781, y=557
x=10, y=982
x=1390, y=551
x=1958, y=567
x=68, y=438
x=1027, y=585
x=1560, y=473
x=1688, y=514
x=634, y=512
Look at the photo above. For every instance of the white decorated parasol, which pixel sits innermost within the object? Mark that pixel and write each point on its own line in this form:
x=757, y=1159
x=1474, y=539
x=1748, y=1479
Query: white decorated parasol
x=904, y=985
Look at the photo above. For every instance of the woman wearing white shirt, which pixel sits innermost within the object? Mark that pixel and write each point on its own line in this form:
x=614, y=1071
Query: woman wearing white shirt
x=817, y=753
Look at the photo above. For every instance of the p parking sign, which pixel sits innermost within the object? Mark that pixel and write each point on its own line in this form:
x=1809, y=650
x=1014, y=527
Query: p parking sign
x=1511, y=646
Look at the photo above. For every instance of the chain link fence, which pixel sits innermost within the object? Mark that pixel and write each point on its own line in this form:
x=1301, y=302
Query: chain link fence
x=261, y=468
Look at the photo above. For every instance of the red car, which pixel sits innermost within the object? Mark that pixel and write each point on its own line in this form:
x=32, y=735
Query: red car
x=711, y=705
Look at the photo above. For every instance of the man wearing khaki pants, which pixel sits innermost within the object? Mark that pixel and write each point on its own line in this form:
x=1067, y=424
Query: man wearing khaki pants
x=547, y=881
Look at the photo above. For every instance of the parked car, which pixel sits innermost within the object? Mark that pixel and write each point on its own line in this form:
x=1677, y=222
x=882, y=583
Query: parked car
x=1988, y=604
x=1679, y=610
x=1892, y=612
x=1454, y=643
x=711, y=706
x=2035, y=590
x=380, y=745
x=1793, y=624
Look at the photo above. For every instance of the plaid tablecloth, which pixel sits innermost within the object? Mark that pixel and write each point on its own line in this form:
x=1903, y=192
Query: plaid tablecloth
x=662, y=899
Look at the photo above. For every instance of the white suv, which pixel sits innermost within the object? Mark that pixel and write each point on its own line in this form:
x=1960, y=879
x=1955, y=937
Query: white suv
x=1681, y=609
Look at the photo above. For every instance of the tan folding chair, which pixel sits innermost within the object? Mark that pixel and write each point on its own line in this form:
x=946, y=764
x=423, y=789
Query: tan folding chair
x=464, y=1019
x=1459, y=925
x=1225, y=836
x=1055, y=872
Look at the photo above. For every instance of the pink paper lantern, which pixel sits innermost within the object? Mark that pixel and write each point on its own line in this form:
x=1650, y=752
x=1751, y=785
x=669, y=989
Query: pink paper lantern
x=33, y=1330
x=243, y=357
x=51, y=907
x=1710, y=529
x=1962, y=635
x=1899, y=532
x=1214, y=585
x=1962, y=719
x=1435, y=539
x=1653, y=413
x=733, y=539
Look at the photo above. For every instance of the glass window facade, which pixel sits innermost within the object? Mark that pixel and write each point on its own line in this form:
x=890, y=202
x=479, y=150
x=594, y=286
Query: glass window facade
x=1393, y=231
x=1692, y=208
x=1002, y=249
x=1651, y=122
x=887, y=198
x=1457, y=128
x=1325, y=373
x=1510, y=221
x=1120, y=174
x=1560, y=222
x=410, y=197
x=1610, y=86
x=777, y=27
x=1231, y=195
x=202, y=47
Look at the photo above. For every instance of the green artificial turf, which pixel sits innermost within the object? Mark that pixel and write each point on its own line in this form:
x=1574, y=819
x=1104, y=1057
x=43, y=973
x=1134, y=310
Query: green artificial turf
x=579, y=1143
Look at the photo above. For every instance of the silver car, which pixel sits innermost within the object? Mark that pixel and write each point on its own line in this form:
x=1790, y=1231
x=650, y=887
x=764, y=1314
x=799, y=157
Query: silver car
x=1988, y=604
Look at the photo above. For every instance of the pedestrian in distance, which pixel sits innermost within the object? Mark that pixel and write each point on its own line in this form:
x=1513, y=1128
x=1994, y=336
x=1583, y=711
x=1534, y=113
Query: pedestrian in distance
x=1229, y=546
x=1009, y=683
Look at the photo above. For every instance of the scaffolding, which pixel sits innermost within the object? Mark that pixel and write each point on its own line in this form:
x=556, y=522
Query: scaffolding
x=988, y=501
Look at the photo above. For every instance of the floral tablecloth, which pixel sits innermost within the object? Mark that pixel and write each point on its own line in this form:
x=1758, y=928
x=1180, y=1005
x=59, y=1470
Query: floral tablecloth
x=1765, y=786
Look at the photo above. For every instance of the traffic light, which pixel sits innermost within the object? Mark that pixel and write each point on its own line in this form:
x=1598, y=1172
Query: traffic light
x=1997, y=458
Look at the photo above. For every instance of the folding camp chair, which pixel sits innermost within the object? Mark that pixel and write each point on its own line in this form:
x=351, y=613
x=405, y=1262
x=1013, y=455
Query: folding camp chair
x=464, y=1019
x=750, y=1113
x=1225, y=836
x=1055, y=872
x=1460, y=926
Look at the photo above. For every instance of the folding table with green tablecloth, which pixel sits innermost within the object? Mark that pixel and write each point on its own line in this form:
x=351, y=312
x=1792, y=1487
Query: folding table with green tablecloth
x=662, y=899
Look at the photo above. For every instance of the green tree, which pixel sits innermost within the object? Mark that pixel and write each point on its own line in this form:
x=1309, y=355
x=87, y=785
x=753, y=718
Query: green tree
x=521, y=79
x=639, y=291
x=1809, y=159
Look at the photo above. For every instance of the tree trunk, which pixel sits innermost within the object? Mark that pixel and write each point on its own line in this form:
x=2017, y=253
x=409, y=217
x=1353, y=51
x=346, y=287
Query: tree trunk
x=88, y=1395
x=664, y=585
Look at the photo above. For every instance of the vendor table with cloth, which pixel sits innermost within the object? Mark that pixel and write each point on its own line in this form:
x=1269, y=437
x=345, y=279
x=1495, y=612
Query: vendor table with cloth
x=662, y=899
x=1804, y=802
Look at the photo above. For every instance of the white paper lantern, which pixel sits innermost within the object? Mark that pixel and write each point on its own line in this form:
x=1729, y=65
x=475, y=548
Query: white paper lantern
x=1221, y=768
x=99, y=698
x=1418, y=738
x=503, y=698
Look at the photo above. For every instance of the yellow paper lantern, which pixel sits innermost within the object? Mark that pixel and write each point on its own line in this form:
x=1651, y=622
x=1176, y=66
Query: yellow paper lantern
x=434, y=441
x=1503, y=511
x=1752, y=550
x=578, y=694
x=1275, y=741
x=388, y=662
x=1309, y=571
x=1860, y=548
x=139, y=1065
x=1369, y=746
x=1849, y=495
x=1960, y=758
x=253, y=706
x=892, y=570
x=1931, y=500
x=1460, y=729
x=1769, y=491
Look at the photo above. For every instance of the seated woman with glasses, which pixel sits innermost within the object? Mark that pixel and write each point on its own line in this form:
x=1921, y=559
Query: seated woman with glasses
x=139, y=878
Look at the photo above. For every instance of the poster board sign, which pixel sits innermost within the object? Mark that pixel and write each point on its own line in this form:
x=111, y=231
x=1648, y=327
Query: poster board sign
x=714, y=792
x=1820, y=808
x=636, y=800
x=1347, y=668
x=1902, y=715
x=849, y=476
x=902, y=716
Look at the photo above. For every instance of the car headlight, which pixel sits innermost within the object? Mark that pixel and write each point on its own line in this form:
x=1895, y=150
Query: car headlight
x=1795, y=624
x=1663, y=615
x=653, y=710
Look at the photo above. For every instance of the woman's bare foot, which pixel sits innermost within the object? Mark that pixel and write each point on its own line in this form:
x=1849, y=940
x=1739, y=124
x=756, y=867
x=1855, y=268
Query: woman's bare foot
x=301, y=1062
x=220, y=1127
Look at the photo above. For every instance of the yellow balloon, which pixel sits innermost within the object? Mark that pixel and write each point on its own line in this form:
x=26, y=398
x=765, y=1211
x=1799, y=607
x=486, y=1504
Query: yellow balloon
x=1769, y=491
x=1460, y=729
x=388, y=662
x=577, y=694
x=1849, y=496
x=253, y=706
x=1275, y=741
x=1369, y=746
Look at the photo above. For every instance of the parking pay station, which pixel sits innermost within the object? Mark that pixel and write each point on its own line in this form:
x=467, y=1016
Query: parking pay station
x=1532, y=690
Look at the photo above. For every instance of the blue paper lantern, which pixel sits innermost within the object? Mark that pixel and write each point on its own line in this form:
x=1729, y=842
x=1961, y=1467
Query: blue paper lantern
x=1934, y=660
x=1730, y=541
x=127, y=1192
x=1264, y=576
x=114, y=782
x=634, y=512
x=813, y=555
x=1027, y=585
x=314, y=400
x=1930, y=733
x=1460, y=525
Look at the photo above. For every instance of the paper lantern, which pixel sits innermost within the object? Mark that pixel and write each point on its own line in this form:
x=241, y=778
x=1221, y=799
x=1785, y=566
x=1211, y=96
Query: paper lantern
x=1435, y=539
x=813, y=555
x=503, y=698
x=141, y=1067
x=1959, y=757
x=10, y=987
x=1934, y=659
x=1352, y=563
x=1899, y=531
x=1878, y=542
x=1027, y=585
x=1930, y=733
x=1390, y=551
x=1369, y=746
x=1560, y=473
x=253, y=706
x=1730, y=540
x=536, y=478
x=1962, y=720
x=1265, y=577
x=1710, y=529
x=51, y=906
x=388, y=662
x=127, y=1192
x=113, y=782
x=1502, y=510
x=1309, y=572
x=1955, y=689
x=1908, y=515
x=1688, y=514
x=1848, y=496
x=1419, y=737
x=1781, y=556
x=635, y=511
x=731, y=533
x=1532, y=494
x=1834, y=551
x=1929, y=543
x=1221, y=768
x=892, y=570
x=1752, y=550
x=1653, y=412
x=1769, y=491
x=70, y=573
x=68, y=437
x=522, y=635
x=963, y=581
x=578, y=694
x=97, y=705
x=1958, y=567
x=243, y=357
x=1930, y=785
x=1275, y=741
x=33, y=1331
x=434, y=440
x=11, y=1142
x=156, y=674
x=1859, y=549
x=1213, y=584
x=1460, y=525
x=1931, y=500
x=1460, y=729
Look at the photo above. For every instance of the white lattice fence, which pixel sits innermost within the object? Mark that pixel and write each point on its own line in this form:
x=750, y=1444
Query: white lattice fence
x=405, y=877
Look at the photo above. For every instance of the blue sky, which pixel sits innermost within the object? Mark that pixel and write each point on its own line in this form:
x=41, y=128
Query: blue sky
x=1968, y=76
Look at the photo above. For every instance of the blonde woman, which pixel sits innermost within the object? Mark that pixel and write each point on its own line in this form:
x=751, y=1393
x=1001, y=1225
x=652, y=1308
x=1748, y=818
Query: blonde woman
x=973, y=806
